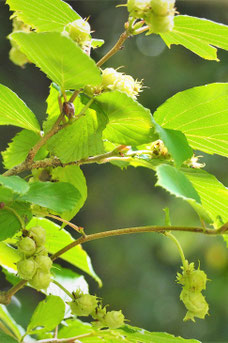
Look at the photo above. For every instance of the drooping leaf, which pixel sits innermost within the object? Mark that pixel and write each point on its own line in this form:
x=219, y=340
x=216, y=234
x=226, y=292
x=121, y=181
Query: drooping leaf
x=74, y=176
x=201, y=114
x=129, y=122
x=68, y=279
x=57, y=196
x=45, y=15
x=61, y=59
x=18, y=149
x=9, y=221
x=13, y=111
x=48, y=314
x=9, y=257
x=57, y=239
x=199, y=35
x=15, y=183
x=176, y=183
x=81, y=139
x=173, y=140
x=126, y=333
x=213, y=194
x=6, y=318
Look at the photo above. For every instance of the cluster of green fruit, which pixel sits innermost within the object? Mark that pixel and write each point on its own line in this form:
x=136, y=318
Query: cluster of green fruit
x=157, y=14
x=35, y=264
x=86, y=304
x=193, y=282
x=15, y=54
x=79, y=30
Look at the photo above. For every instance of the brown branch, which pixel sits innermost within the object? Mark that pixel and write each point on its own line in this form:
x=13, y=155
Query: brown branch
x=115, y=49
x=126, y=231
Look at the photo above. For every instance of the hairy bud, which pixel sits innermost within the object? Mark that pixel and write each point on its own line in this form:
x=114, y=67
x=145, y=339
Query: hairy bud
x=44, y=263
x=38, y=234
x=138, y=8
x=68, y=109
x=114, y=319
x=84, y=305
x=26, y=268
x=27, y=246
x=195, y=303
x=79, y=31
x=162, y=7
x=40, y=280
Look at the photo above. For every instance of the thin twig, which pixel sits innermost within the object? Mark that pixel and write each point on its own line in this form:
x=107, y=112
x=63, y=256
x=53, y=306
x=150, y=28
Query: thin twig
x=115, y=49
x=66, y=340
x=75, y=227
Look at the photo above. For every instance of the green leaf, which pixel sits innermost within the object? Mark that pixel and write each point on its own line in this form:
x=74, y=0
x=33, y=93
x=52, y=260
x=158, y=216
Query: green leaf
x=51, y=195
x=58, y=239
x=6, y=195
x=97, y=43
x=15, y=183
x=173, y=140
x=81, y=139
x=74, y=176
x=9, y=221
x=13, y=111
x=48, y=314
x=129, y=122
x=45, y=15
x=176, y=183
x=201, y=114
x=6, y=338
x=9, y=257
x=61, y=59
x=18, y=149
x=6, y=318
x=127, y=333
x=201, y=36
x=213, y=194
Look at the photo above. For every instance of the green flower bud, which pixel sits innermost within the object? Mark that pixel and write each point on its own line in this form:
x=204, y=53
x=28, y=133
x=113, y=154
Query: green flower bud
x=197, y=280
x=38, y=234
x=44, y=263
x=79, y=31
x=126, y=83
x=160, y=24
x=114, y=319
x=26, y=268
x=99, y=313
x=27, y=246
x=40, y=280
x=84, y=305
x=109, y=77
x=138, y=8
x=195, y=303
x=162, y=7
x=17, y=57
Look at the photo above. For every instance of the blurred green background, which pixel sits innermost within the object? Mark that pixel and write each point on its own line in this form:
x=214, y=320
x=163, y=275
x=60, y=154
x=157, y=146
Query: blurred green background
x=138, y=271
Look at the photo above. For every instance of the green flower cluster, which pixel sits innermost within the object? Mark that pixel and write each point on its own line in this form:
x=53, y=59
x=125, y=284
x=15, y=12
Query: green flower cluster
x=79, y=30
x=157, y=14
x=193, y=282
x=35, y=264
x=86, y=304
x=114, y=80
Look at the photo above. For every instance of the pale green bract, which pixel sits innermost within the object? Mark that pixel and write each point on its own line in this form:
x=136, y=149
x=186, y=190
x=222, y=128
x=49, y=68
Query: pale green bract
x=59, y=58
x=201, y=36
x=201, y=114
x=45, y=15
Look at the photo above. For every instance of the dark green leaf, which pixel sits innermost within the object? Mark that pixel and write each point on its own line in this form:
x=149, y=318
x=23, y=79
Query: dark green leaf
x=199, y=35
x=59, y=57
x=48, y=314
x=6, y=338
x=18, y=149
x=129, y=122
x=9, y=221
x=13, y=111
x=59, y=196
x=201, y=114
x=45, y=15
